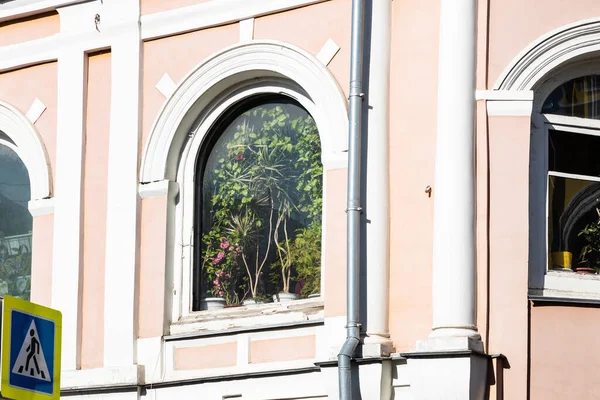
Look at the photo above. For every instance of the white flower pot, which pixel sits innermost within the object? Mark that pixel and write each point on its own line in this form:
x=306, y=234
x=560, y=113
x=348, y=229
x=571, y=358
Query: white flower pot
x=282, y=297
x=213, y=303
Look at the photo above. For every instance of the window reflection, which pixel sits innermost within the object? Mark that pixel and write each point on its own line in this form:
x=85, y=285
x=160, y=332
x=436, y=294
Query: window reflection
x=579, y=97
x=15, y=226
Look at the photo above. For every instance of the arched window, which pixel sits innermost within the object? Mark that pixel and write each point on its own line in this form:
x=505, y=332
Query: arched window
x=15, y=223
x=258, y=206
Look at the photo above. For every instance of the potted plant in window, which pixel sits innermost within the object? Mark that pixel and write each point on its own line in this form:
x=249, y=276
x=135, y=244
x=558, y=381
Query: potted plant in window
x=589, y=257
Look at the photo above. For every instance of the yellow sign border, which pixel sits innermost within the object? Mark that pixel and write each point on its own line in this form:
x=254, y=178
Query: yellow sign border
x=9, y=304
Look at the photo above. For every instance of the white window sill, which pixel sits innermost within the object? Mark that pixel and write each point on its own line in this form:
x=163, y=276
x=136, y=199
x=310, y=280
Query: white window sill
x=569, y=285
x=249, y=316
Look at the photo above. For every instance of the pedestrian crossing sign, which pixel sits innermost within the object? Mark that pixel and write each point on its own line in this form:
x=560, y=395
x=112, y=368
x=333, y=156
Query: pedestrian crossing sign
x=31, y=338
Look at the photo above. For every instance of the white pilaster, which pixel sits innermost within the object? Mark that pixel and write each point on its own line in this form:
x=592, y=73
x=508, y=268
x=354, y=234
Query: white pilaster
x=377, y=193
x=66, y=295
x=454, y=297
x=120, y=324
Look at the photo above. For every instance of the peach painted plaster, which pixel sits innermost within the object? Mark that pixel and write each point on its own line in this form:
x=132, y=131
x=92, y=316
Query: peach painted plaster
x=41, y=263
x=153, y=6
x=94, y=209
x=565, y=361
x=24, y=30
x=284, y=349
x=177, y=56
x=508, y=251
x=205, y=357
x=412, y=154
x=309, y=28
x=20, y=87
x=514, y=24
x=335, y=243
x=152, y=266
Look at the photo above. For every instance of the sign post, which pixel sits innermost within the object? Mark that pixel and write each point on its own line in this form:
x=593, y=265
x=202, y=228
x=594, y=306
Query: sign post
x=31, y=339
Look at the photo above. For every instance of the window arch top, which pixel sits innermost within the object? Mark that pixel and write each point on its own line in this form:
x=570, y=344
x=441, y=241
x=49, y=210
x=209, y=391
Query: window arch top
x=579, y=97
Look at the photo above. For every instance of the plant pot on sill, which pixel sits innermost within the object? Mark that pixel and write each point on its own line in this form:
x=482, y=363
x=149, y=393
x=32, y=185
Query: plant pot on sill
x=585, y=270
x=561, y=260
x=213, y=303
x=282, y=297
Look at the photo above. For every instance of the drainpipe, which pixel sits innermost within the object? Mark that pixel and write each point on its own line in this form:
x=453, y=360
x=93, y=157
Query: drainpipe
x=354, y=209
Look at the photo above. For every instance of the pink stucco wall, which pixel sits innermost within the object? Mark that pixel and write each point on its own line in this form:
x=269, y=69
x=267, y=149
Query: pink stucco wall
x=413, y=106
x=41, y=263
x=565, y=362
x=153, y=6
x=24, y=30
x=509, y=250
x=153, y=242
x=94, y=209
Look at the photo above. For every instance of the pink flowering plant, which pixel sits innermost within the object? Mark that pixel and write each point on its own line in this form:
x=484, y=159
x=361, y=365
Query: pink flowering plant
x=222, y=265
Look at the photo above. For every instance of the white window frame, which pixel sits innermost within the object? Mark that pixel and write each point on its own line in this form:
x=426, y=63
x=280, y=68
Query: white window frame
x=551, y=283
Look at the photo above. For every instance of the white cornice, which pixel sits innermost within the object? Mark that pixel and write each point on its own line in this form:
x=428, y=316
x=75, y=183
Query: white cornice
x=212, y=13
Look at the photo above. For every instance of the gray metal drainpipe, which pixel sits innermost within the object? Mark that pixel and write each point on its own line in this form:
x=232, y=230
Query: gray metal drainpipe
x=354, y=209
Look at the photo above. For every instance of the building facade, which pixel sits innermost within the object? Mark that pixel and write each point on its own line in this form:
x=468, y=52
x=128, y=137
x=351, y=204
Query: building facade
x=174, y=176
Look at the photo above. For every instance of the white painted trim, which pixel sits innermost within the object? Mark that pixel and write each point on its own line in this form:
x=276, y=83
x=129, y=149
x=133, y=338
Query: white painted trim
x=212, y=13
x=25, y=8
x=40, y=207
x=237, y=64
x=156, y=189
x=131, y=375
x=549, y=51
x=166, y=86
x=519, y=108
x=66, y=296
x=328, y=51
x=29, y=147
x=508, y=95
x=574, y=176
x=36, y=110
x=120, y=297
x=247, y=30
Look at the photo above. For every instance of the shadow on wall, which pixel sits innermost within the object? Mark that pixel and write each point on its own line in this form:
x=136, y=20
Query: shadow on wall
x=498, y=363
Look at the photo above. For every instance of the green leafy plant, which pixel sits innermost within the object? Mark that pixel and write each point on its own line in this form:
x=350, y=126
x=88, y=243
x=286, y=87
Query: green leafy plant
x=590, y=252
x=268, y=177
x=15, y=271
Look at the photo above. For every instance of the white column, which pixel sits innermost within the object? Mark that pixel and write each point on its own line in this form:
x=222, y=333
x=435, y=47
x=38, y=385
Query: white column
x=66, y=296
x=454, y=296
x=377, y=195
x=122, y=200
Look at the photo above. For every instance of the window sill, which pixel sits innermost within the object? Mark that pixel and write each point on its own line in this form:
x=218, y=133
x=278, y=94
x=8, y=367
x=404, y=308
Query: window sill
x=232, y=319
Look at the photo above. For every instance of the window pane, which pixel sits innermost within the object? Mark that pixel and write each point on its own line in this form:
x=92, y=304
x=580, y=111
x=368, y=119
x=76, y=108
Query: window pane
x=260, y=209
x=573, y=153
x=579, y=97
x=15, y=226
x=573, y=222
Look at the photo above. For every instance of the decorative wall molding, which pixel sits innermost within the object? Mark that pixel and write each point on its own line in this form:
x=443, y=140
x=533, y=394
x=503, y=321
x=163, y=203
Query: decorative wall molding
x=236, y=64
x=328, y=51
x=40, y=207
x=36, y=110
x=212, y=13
x=166, y=86
x=246, y=30
x=25, y=8
x=548, y=52
x=30, y=147
x=513, y=108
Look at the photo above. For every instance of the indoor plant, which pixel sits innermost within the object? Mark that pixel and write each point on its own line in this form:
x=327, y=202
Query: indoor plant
x=589, y=257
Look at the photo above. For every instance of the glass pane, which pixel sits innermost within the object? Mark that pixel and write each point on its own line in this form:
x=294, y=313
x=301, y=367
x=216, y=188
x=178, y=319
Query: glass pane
x=573, y=223
x=260, y=205
x=579, y=97
x=573, y=153
x=15, y=226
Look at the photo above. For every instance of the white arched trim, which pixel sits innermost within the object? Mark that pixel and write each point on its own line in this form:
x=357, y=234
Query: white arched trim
x=29, y=147
x=565, y=44
x=235, y=65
